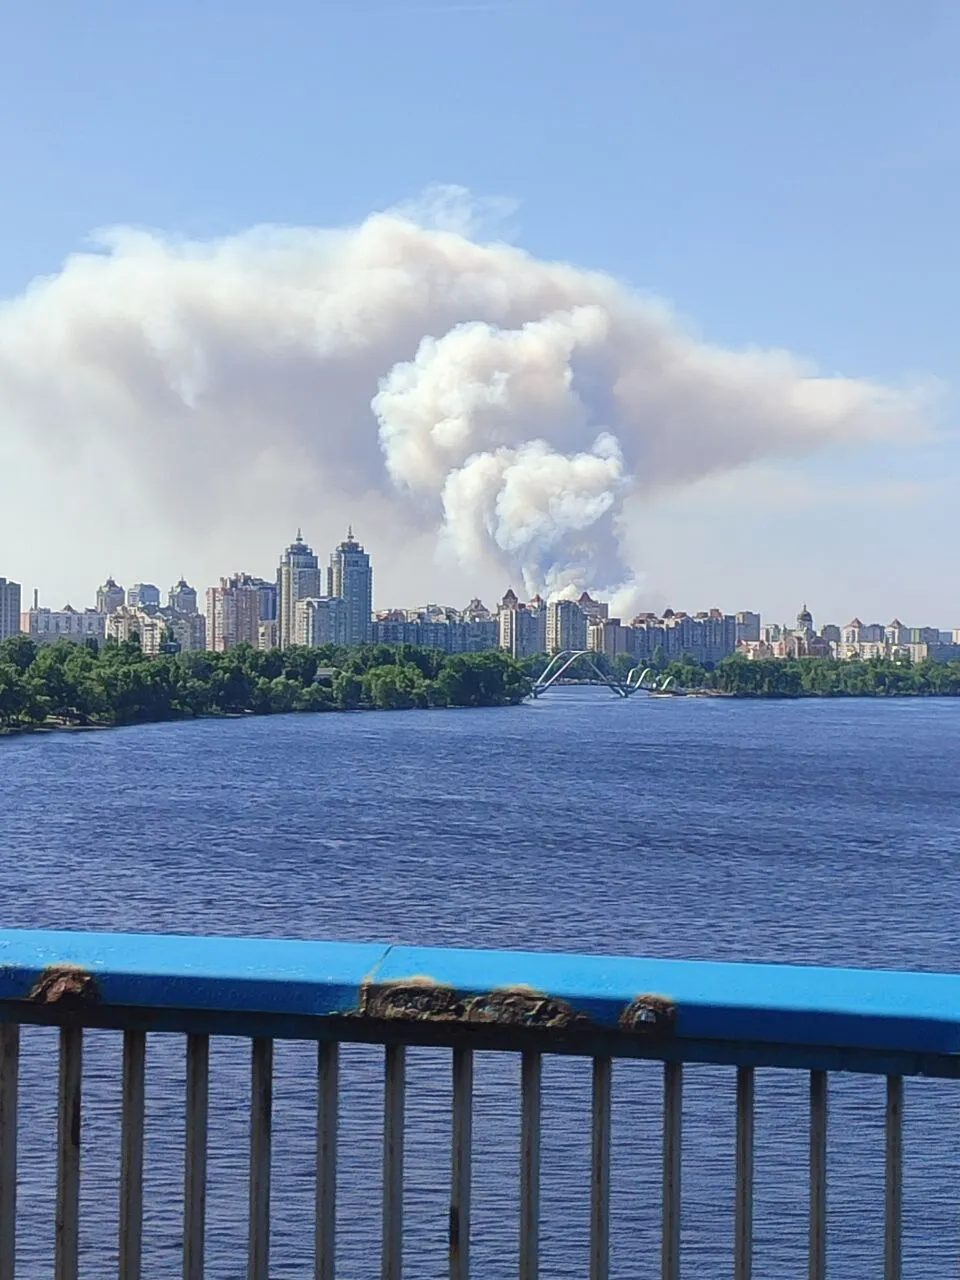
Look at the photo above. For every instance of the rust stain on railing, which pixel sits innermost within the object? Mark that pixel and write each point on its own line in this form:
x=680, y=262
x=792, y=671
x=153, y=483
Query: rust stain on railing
x=66, y=986
x=648, y=1014
x=421, y=999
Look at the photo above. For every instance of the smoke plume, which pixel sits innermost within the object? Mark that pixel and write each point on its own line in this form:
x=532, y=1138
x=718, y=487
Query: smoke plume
x=502, y=406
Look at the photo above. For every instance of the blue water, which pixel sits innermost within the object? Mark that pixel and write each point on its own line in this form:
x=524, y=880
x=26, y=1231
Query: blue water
x=811, y=831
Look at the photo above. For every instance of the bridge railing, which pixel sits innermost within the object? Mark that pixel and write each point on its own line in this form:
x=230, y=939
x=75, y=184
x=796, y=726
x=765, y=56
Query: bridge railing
x=745, y=1017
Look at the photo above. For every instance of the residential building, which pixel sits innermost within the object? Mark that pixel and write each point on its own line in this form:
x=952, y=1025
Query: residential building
x=146, y=626
x=350, y=577
x=566, y=626
x=232, y=616
x=477, y=611
x=269, y=593
x=521, y=628
x=748, y=627
x=925, y=635
x=47, y=626
x=473, y=635
x=320, y=620
x=438, y=627
x=110, y=596
x=609, y=636
x=9, y=608
x=144, y=595
x=182, y=598
x=298, y=578
x=924, y=652
x=189, y=629
x=707, y=637
x=393, y=626
x=267, y=635
x=592, y=608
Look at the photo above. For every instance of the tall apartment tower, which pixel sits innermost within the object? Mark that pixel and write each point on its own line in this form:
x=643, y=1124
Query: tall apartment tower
x=143, y=595
x=351, y=578
x=110, y=596
x=298, y=578
x=566, y=626
x=182, y=598
x=232, y=613
x=9, y=609
x=522, y=627
x=748, y=626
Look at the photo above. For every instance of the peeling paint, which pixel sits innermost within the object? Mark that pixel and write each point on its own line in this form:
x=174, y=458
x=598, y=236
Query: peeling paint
x=65, y=985
x=423, y=1000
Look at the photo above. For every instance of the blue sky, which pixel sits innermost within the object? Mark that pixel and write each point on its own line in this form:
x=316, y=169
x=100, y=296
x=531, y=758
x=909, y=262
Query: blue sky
x=785, y=174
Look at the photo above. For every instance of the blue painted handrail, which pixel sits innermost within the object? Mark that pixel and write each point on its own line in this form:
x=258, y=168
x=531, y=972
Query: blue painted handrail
x=781, y=1014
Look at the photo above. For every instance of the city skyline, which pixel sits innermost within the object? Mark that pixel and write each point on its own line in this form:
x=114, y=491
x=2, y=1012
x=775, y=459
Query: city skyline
x=300, y=576
x=646, y=352
x=322, y=583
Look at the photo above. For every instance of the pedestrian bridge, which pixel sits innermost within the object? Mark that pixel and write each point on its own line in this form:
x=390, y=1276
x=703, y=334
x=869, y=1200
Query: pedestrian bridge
x=739, y=1021
x=639, y=679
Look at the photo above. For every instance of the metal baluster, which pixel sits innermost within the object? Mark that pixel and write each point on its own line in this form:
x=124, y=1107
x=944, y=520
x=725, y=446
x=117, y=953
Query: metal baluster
x=893, y=1216
x=131, y=1155
x=818, y=1176
x=328, y=1076
x=393, y=1108
x=261, y=1126
x=461, y=1164
x=530, y=1089
x=195, y=1157
x=9, y=1077
x=743, y=1225
x=600, y=1170
x=672, y=1134
x=66, y=1257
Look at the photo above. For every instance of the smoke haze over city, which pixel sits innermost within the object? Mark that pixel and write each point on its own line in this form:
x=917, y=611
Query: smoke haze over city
x=494, y=417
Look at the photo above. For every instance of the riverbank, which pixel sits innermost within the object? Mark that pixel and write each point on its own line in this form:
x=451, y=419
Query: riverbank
x=68, y=685
x=815, y=678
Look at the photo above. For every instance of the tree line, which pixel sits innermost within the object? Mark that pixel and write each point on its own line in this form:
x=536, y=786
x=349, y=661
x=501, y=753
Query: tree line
x=783, y=677
x=117, y=684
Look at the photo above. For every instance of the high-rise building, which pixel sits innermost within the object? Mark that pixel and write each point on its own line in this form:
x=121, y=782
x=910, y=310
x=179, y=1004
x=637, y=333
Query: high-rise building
x=144, y=595
x=609, y=636
x=350, y=577
x=593, y=609
x=706, y=637
x=182, y=598
x=110, y=596
x=189, y=629
x=521, y=628
x=566, y=626
x=320, y=620
x=232, y=616
x=269, y=592
x=298, y=578
x=130, y=622
x=748, y=627
x=267, y=635
x=9, y=609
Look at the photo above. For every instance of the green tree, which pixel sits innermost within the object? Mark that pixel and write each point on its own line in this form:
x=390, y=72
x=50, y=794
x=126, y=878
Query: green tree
x=15, y=695
x=347, y=690
x=19, y=651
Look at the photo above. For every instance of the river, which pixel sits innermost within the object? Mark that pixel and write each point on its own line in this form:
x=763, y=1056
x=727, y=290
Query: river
x=824, y=832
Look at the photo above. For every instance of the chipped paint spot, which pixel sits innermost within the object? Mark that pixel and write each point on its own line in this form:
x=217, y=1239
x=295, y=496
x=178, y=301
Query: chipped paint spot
x=423, y=1000
x=648, y=1015
x=65, y=985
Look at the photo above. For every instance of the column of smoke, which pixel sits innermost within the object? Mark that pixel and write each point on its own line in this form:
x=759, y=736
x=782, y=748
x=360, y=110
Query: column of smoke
x=511, y=405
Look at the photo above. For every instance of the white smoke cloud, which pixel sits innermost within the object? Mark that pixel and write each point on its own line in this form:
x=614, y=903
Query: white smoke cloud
x=204, y=395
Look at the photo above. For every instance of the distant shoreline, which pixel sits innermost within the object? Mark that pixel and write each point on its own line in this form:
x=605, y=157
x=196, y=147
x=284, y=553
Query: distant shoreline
x=61, y=727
